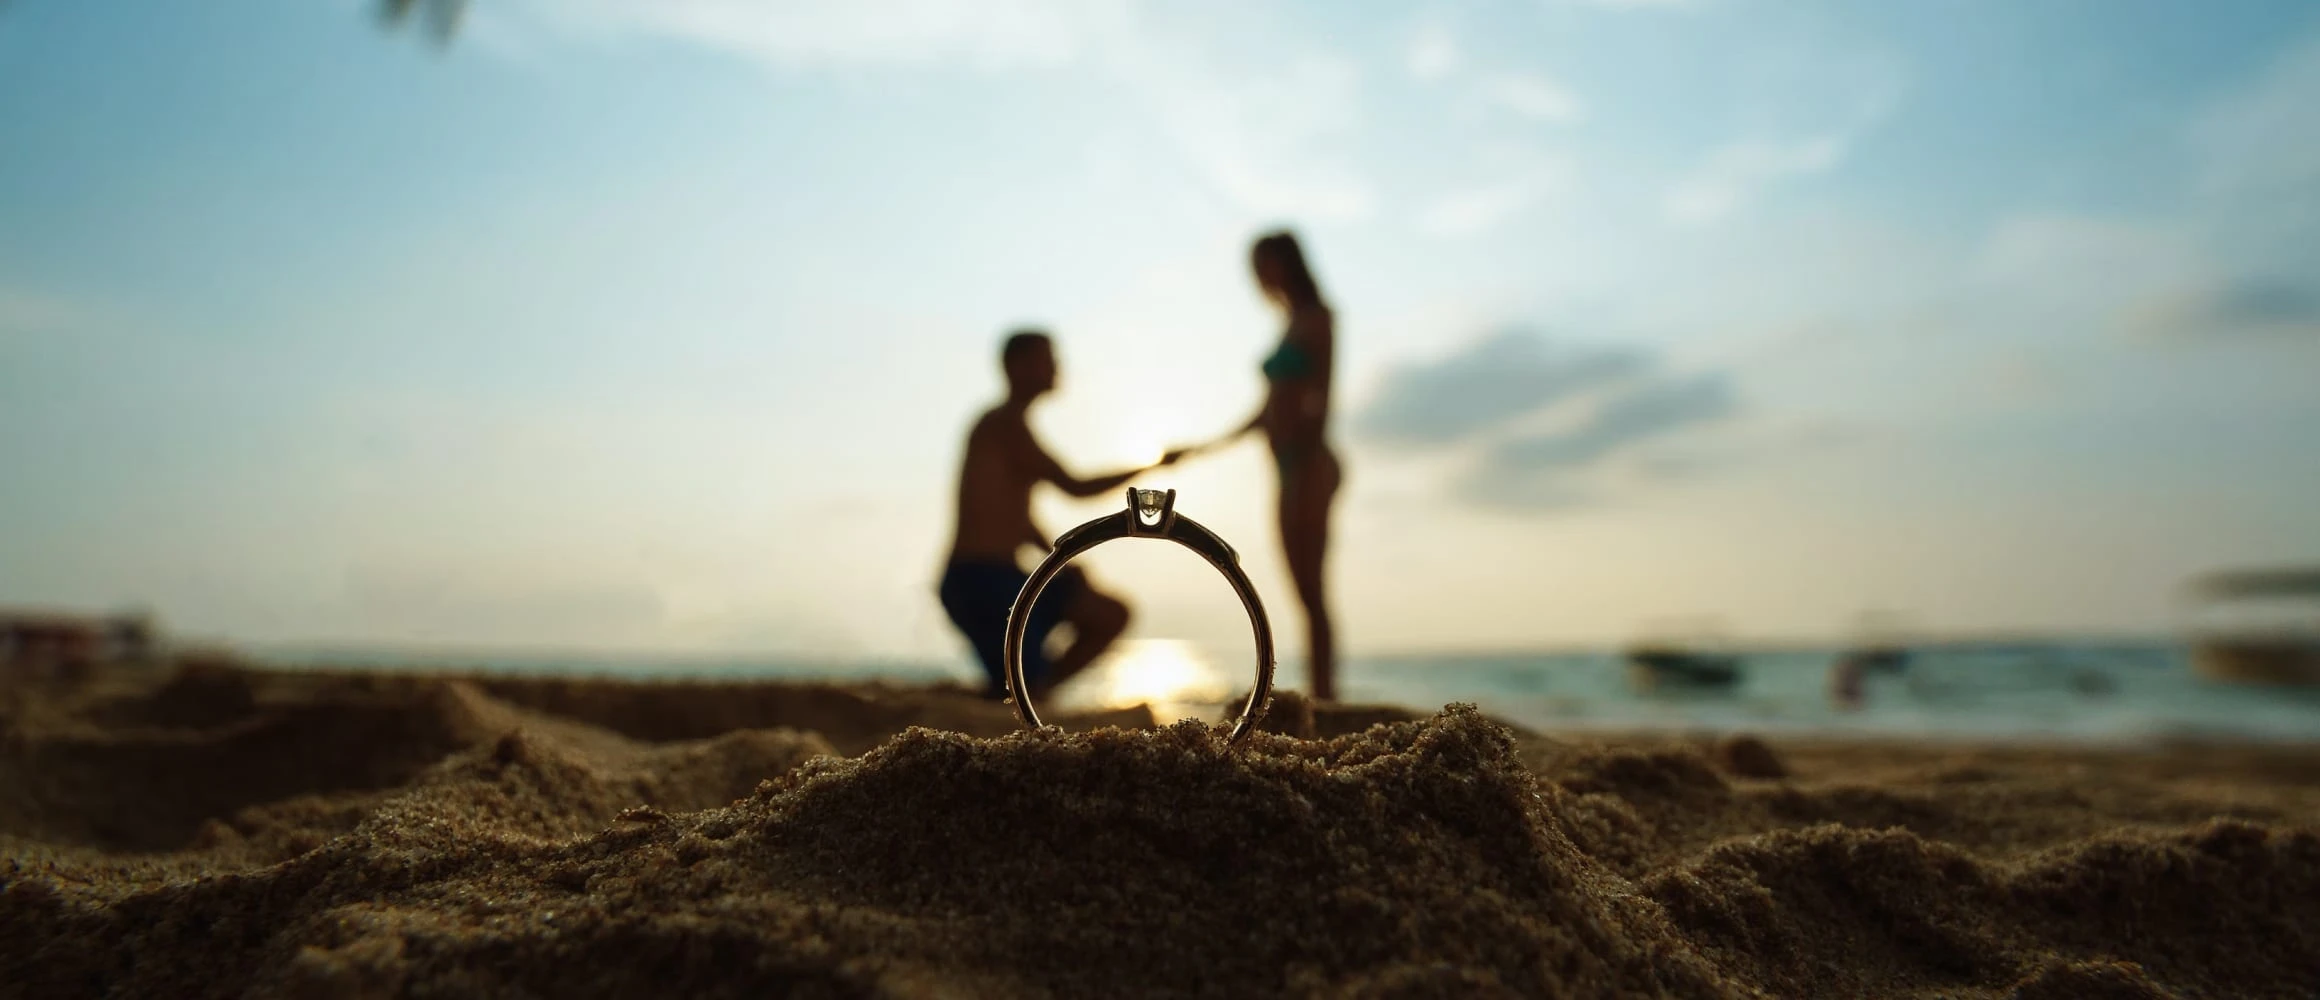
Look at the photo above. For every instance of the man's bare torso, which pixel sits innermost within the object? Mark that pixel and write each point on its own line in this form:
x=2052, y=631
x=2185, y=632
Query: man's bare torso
x=995, y=481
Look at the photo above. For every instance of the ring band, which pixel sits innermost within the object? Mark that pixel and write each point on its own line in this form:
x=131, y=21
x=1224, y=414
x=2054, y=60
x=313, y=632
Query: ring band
x=1150, y=514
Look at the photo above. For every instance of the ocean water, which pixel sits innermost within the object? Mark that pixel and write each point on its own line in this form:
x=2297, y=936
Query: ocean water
x=2081, y=692
x=2059, y=691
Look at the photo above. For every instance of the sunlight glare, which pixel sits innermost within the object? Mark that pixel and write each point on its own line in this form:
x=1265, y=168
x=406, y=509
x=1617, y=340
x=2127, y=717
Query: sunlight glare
x=1171, y=675
x=1145, y=445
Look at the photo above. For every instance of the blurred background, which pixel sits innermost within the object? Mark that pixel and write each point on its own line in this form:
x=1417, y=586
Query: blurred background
x=642, y=336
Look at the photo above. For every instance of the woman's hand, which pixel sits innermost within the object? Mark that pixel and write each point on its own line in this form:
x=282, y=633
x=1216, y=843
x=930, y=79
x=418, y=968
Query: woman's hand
x=1178, y=454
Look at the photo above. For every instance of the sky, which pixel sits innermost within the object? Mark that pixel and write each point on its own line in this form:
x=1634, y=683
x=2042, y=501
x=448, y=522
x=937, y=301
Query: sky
x=657, y=324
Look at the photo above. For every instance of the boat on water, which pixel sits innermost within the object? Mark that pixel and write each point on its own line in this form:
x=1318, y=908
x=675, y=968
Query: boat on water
x=40, y=644
x=2259, y=626
x=1881, y=659
x=1656, y=667
x=1682, y=655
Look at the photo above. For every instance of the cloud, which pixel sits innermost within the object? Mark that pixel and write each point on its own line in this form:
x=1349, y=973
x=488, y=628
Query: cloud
x=2240, y=307
x=1637, y=4
x=1486, y=385
x=1255, y=124
x=988, y=34
x=2231, y=256
x=1735, y=173
x=1646, y=410
x=2149, y=279
x=2241, y=257
x=2266, y=302
x=1534, y=97
x=1434, y=53
x=1537, y=426
x=2263, y=143
x=1479, y=209
x=2257, y=191
x=1263, y=139
x=2042, y=247
x=1559, y=468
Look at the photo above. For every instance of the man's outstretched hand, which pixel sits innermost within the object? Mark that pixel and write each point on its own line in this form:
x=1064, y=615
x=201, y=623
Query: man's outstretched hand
x=1178, y=454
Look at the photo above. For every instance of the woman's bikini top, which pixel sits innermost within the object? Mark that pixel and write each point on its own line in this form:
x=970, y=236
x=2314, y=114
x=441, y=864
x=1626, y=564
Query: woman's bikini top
x=1287, y=361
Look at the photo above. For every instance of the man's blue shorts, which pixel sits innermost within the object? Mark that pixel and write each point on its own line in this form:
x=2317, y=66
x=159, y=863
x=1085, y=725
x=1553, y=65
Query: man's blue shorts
x=977, y=595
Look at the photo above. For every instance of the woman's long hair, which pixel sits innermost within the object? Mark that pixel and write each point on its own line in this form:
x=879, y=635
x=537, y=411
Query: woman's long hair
x=1297, y=288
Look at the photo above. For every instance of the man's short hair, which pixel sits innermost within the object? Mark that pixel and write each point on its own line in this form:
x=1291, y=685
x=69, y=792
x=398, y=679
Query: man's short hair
x=1021, y=343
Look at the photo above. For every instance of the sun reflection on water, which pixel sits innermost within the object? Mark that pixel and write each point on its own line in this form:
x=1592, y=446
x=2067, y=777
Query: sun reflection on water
x=1171, y=675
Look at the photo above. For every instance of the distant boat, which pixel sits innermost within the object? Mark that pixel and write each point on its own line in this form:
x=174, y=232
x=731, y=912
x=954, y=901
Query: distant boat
x=46, y=645
x=1662, y=667
x=2258, y=626
x=1881, y=659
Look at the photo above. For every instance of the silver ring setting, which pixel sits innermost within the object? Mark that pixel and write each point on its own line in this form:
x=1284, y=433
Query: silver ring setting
x=1150, y=514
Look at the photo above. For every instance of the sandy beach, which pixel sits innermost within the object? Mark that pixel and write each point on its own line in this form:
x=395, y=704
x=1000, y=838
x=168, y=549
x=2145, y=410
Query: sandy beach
x=227, y=832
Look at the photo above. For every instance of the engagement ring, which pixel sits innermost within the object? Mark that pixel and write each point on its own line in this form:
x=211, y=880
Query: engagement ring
x=1150, y=514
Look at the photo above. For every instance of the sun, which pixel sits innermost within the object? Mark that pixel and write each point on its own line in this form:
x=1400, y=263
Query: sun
x=1143, y=449
x=1171, y=675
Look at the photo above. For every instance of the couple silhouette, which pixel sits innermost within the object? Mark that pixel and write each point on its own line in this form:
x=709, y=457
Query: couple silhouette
x=1004, y=461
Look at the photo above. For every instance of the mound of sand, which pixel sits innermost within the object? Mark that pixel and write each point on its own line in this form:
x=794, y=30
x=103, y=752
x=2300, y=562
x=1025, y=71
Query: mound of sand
x=364, y=836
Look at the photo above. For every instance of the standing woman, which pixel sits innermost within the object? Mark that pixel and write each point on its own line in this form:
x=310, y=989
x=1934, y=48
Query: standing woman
x=1295, y=419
